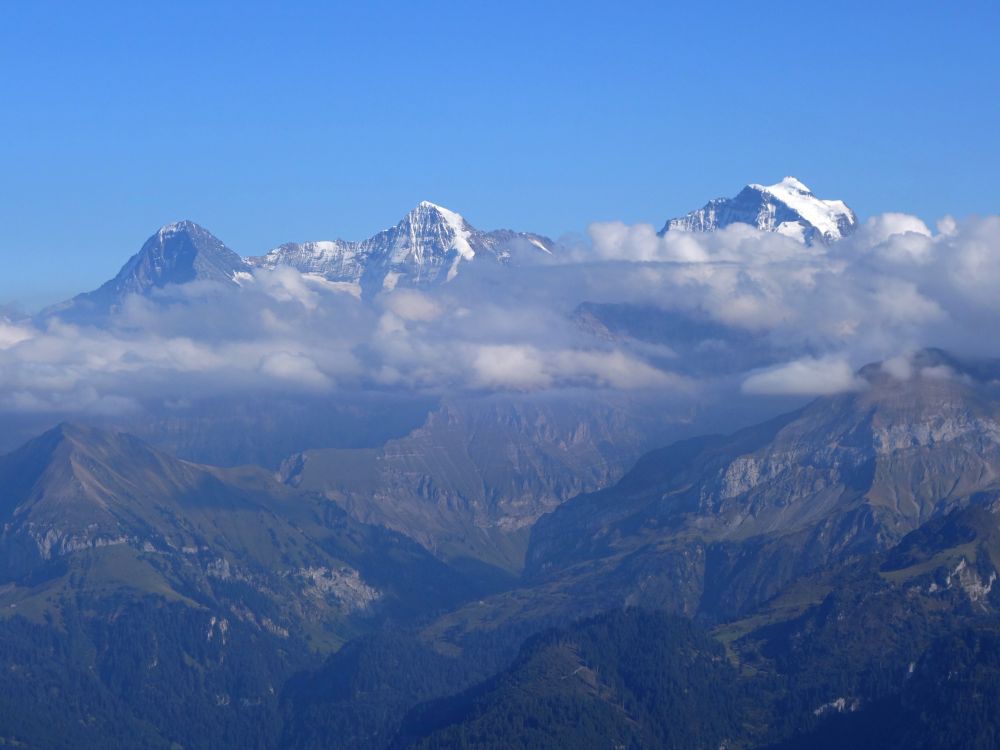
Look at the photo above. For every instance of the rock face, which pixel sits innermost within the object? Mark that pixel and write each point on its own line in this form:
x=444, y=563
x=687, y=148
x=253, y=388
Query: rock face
x=177, y=254
x=718, y=524
x=479, y=472
x=787, y=207
x=426, y=247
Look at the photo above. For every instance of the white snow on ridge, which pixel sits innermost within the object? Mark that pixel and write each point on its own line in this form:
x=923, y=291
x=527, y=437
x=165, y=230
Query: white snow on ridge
x=426, y=247
x=787, y=207
x=794, y=229
x=540, y=246
x=822, y=214
x=456, y=223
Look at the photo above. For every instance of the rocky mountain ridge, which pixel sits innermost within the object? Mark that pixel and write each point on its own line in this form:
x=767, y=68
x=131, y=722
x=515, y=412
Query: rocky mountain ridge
x=426, y=247
x=97, y=513
x=478, y=473
x=787, y=207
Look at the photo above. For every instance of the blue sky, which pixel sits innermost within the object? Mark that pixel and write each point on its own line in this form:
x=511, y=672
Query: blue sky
x=269, y=122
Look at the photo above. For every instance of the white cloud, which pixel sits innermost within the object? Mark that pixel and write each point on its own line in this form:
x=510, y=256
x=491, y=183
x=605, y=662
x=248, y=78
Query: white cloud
x=409, y=304
x=529, y=368
x=742, y=298
x=11, y=334
x=805, y=377
x=297, y=368
x=901, y=368
x=509, y=366
x=881, y=228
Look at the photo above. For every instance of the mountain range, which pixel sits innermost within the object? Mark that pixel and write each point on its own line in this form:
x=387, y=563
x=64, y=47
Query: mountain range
x=846, y=475
x=829, y=575
x=714, y=526
x=93, y=513
x=426, y=247
x=864, y=523
x=382, y=569
x=469, y=483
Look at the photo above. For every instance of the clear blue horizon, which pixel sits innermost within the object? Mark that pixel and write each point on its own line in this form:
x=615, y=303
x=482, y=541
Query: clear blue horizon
x=267, y=123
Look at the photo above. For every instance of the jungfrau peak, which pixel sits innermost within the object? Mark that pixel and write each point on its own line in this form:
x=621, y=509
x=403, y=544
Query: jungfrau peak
x=787, y=207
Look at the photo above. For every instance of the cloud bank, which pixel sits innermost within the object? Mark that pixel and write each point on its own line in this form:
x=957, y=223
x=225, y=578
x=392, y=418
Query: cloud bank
x=779, y=317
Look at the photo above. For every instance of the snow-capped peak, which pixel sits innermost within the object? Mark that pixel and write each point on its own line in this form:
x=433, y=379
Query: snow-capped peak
x=826, y=216
x=177, y=226
x=178, y=253
x=787, y=207
x=788, y=183
x=446, y=223
x=435, y=206
x=427, y=246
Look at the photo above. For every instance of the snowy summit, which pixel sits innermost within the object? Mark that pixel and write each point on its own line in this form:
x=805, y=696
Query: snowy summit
x=787, y=207
x=426, y=247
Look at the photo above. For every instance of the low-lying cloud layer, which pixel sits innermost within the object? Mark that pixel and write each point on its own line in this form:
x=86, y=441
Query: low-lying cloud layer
x=892, y=287
x=816, y=313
